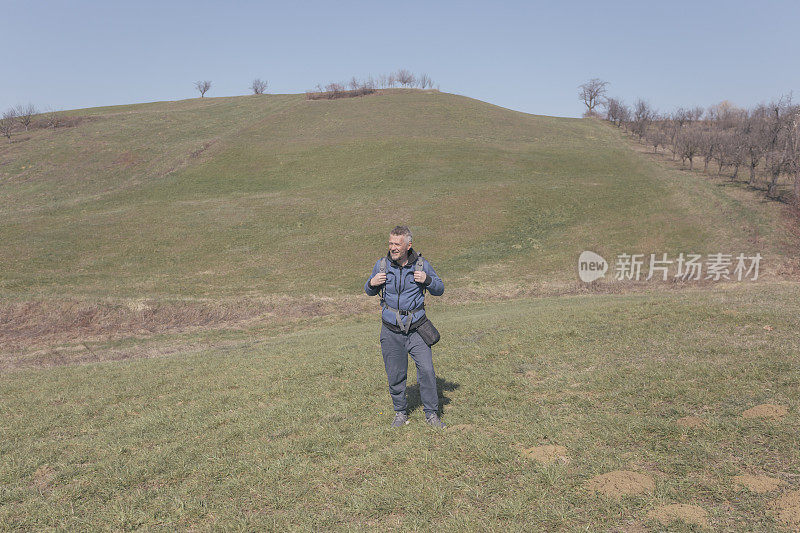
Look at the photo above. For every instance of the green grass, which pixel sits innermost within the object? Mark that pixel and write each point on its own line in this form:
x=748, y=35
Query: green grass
x=291, y=432
x=219, y=247
x=118, y=207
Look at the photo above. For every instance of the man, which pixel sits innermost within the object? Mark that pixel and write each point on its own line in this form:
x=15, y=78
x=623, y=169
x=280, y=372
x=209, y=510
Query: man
x=403, y=310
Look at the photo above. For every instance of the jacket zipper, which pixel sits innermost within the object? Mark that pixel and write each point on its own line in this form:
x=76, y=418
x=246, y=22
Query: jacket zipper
x=401, y=289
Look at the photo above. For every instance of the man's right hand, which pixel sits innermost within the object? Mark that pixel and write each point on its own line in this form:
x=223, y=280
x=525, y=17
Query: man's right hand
x=378, y=279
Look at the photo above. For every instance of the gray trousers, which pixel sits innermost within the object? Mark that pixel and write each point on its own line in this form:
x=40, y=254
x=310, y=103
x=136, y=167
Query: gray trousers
x=395, y=348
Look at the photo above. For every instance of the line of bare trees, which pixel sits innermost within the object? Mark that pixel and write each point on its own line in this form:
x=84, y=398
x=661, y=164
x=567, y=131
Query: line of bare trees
x=257, y=86
x=26, y=117
x=356, y=87
x=762, y=141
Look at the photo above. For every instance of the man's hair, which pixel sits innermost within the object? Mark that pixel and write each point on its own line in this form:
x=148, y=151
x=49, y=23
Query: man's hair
x=402, y=230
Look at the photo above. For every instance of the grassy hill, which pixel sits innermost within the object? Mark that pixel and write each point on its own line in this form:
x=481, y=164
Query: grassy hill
x=205, y=260
x=275, y=194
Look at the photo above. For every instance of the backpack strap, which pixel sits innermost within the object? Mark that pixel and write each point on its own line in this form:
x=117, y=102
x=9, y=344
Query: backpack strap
x=382, y=270
x=418, y=267
x=399, y=314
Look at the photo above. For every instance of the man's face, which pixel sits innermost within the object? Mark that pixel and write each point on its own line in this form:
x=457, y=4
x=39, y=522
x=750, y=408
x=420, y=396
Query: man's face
x=398, y=246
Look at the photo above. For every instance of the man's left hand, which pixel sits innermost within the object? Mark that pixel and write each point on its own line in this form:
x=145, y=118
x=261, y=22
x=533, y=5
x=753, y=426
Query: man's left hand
x=420, y=276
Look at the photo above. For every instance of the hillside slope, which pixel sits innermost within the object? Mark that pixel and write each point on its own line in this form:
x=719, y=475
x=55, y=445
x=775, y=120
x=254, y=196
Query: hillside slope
x=275, y=194
x=292, y=432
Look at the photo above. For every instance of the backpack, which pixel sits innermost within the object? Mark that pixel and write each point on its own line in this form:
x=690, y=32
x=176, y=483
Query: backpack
x=382, y=269
x=418, y=267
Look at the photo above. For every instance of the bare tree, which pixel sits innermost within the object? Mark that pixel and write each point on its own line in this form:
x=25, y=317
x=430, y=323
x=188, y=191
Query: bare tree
x=793, y=150
x=624, y=116
x=258, y=86
x=203, y=87
x=753, y=131
x=353, y=84
x=656, y=137
x=7, y=123
x=776, y=115
x=383, y=81
x=778, y=159
x=405, y=77
x=643, y=115
x=689, y=144
x=730, y=151
x=25, y=114
x=677, y=120
x=424, y=81
x=725, y=115
x=613, y=108
x=52, y=118
x=709, y=144
x=334, y=89
x=592, y=94
x=775, y=167
x=696, y=113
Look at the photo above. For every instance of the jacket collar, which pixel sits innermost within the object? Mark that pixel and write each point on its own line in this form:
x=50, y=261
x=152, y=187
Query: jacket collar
x=412, y=257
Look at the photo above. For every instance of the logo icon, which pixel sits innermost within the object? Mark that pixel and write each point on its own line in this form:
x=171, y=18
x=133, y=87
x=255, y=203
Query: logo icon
x=591, y=266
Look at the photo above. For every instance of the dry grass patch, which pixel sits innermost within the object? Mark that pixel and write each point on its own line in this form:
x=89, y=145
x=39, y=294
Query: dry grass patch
x=787, y=509
x=34, y=333
x=43, y=477
x=547, y=454
x=757, y=484
x=691, y=514
x=766, y=410
x=620, y=483
x=691, y=422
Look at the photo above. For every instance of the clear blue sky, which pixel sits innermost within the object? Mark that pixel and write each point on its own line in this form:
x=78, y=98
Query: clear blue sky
x=528, y=56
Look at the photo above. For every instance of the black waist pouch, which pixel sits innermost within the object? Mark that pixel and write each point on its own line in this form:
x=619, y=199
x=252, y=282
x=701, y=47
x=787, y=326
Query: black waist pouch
x=428, y=332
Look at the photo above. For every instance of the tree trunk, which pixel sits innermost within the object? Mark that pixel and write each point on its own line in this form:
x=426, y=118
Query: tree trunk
x=797, y=189
x=773, y=186
x=752, y=181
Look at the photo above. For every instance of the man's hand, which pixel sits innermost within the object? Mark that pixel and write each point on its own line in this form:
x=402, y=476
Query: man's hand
x=378, y=279
x=420, y=276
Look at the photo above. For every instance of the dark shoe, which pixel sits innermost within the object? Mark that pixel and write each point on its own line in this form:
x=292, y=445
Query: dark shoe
x=400, y=419
x=433, y=420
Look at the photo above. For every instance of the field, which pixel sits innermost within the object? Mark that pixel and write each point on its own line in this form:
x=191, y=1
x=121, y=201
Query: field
x=186, y=342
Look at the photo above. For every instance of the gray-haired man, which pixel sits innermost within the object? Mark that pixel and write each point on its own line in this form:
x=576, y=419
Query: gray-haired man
x=403, y=310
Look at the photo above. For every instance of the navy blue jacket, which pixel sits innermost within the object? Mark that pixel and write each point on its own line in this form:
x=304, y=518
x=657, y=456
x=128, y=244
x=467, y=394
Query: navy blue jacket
x=402, y=292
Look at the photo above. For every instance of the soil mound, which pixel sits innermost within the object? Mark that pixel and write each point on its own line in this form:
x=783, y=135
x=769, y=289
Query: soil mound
x=547, y=454
x=621, y=483
x=691, y=514
x=691, y=422
x=757, y=484
x=766, y=410
x=787, y=509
